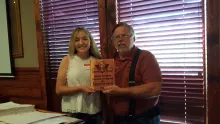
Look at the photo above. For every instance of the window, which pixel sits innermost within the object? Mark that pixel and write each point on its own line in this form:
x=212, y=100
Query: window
x=59, y=18
x=173, y=31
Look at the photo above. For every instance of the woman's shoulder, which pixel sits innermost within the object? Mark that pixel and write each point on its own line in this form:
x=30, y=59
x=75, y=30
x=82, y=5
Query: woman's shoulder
x=64, y=62
x=65, y=58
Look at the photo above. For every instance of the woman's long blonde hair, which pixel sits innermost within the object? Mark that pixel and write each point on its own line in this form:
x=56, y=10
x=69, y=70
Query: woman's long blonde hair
x=93, y=50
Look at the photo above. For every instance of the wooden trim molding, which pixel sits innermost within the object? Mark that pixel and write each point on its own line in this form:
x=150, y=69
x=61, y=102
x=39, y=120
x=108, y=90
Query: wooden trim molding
x=102, y=28
x=26, y=69
x=111, y=22
x=204, y=62
x=213, y=61
x=104, y=47
x=107, y=20
x=40, y=47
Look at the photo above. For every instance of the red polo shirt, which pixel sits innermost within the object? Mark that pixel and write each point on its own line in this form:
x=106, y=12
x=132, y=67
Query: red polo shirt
x=147, y=70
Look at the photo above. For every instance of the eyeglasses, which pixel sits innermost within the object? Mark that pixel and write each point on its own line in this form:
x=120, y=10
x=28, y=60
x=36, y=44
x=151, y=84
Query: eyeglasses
x=118, y=37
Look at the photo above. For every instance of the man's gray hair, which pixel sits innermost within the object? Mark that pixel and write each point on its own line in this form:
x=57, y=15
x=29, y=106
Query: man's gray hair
x=125, y=25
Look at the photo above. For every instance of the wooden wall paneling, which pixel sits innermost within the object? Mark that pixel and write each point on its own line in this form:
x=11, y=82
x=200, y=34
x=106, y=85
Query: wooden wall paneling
x=103, y=28
x=107, y=21
x=104, y=48
x=23, y=75
x=54, y=101
x=40, y=47
x=4, y=98
x=24, y=92
x=24, y=88
x=111, y=17
x=213, y=63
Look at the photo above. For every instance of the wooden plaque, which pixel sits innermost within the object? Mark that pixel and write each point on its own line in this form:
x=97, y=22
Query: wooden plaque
x=102, y=73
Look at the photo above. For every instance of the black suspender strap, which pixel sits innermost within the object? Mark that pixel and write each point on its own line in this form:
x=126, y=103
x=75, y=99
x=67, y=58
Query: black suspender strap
x=131, y=110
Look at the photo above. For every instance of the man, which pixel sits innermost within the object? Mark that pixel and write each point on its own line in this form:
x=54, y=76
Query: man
x=143, y=96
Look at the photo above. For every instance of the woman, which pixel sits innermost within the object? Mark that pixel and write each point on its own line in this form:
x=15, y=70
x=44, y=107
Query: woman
x=73, y=79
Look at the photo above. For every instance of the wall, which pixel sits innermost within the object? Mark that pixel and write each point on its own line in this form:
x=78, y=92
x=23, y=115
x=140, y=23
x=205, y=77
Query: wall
x=30, y=58
x=27, y=86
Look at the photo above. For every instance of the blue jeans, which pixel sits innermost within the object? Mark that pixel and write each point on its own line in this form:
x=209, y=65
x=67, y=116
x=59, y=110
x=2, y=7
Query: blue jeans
x=139, y=120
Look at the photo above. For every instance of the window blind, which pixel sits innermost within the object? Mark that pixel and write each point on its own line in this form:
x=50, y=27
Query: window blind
x=58, y=19
x=173, y=31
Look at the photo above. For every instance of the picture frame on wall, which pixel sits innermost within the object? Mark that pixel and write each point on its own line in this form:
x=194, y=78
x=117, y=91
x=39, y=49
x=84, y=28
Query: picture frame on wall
x=16, y=30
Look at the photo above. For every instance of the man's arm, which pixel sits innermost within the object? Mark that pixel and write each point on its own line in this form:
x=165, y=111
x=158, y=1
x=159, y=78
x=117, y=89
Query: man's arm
x=151, y=76
x=148, y=90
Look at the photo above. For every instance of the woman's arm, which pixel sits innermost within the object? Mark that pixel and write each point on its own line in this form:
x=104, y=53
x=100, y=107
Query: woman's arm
x=61, y=87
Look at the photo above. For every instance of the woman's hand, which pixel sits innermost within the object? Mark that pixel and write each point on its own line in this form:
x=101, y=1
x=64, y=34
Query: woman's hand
x=87, y=89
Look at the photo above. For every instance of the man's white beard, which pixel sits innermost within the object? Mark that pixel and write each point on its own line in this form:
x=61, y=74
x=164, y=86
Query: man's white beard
x=122, y=49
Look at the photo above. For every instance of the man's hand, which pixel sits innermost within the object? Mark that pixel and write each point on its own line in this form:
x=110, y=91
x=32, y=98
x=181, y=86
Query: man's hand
x=112, y=90
x=87, y=89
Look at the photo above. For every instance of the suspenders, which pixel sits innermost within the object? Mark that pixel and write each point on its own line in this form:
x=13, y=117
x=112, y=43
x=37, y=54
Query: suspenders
x=131, y=110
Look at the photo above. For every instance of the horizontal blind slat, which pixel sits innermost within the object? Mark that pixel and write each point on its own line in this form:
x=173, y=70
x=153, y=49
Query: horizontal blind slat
x=58, y=19
x=173, y=31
